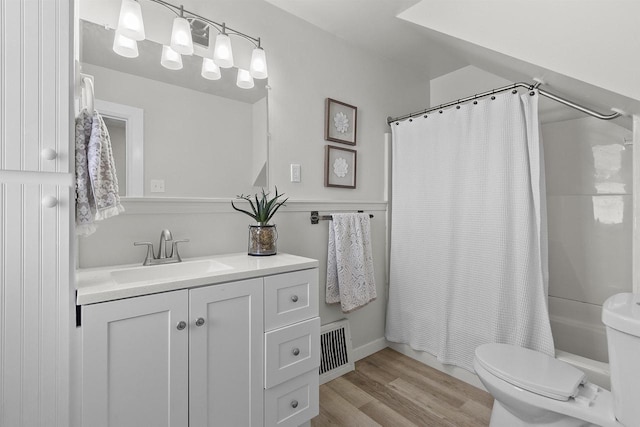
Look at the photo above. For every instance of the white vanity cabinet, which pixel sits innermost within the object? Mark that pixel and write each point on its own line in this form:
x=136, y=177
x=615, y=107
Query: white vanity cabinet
x=205, y=356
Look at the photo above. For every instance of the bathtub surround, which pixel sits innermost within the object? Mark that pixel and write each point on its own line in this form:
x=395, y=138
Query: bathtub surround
x=468, y=244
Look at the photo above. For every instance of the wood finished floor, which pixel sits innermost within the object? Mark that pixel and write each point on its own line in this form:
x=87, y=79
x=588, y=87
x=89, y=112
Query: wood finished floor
x=391, y=389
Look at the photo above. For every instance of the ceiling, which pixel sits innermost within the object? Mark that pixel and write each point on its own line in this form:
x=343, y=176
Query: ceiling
x=373, y=26
x=381, y=27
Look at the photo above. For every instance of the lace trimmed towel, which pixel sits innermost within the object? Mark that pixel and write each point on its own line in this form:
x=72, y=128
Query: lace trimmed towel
x=350, y=279
x=96, y=181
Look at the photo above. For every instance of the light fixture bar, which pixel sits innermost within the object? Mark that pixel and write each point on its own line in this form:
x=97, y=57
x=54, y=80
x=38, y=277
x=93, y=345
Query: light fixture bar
x=219, y=26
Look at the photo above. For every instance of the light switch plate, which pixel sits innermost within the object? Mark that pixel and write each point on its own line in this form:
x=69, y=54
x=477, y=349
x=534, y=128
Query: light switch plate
x=295, y=172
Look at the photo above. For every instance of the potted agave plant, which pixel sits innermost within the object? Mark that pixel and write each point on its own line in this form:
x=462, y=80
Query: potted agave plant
x=262, y=237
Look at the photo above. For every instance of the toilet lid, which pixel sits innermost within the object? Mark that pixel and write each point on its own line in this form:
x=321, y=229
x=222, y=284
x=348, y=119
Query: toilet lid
x=531, y=370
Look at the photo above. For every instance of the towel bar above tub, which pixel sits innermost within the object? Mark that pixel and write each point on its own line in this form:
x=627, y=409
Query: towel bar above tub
x=315, y=217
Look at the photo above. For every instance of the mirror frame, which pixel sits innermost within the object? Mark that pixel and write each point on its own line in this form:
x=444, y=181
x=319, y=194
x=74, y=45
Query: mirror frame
x=134, y=118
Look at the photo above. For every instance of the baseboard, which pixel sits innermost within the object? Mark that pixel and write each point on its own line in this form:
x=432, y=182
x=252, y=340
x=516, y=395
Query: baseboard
x=432, y=361
x=369, y=348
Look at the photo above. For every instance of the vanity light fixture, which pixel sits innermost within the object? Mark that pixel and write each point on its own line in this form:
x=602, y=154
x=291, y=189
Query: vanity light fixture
x=244, y=80
x=210, y=70
x=130, y=22
x=181, y=40
x=222, y=52
x=131, y=29
x=171, y=59
x=258, y=67
x=124, y=46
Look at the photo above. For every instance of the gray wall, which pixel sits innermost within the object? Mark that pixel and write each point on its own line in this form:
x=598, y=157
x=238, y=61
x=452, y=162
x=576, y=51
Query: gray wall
x=306, y=65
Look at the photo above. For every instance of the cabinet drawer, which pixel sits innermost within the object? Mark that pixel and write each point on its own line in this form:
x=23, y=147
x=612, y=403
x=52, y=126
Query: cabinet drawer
x=293, y=402
x=290, y=298
x=291, y=351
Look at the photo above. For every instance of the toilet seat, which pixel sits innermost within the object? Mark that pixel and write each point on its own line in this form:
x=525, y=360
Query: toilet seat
x=531, y=370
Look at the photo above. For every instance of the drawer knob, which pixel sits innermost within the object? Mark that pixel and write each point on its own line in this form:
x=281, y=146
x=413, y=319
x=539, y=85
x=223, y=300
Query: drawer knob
x=49, y=202
x=296, y=351
x=181, y=325
x=294, y=298
x=48, y=154
x=294, y=404
x=200, y=321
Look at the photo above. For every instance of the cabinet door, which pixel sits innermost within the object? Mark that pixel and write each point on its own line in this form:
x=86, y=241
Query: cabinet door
x=135, y=370
x=226, y=354
x=34, y=113
x=35, y=305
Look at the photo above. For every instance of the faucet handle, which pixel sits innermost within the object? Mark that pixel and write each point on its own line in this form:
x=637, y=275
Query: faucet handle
x=174, y=248
x=150, y=255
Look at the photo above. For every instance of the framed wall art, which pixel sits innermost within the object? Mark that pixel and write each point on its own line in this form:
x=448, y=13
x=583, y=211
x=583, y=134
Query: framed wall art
x=339, y=167
x=340, y=122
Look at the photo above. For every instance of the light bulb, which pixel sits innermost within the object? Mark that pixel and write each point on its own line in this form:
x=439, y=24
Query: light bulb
x=170, y=58
x=222, y=53
x=210, y=70
x=181, y=40
x=130, y=22
x=124, y=46
x=258, y=67
x=244, y=80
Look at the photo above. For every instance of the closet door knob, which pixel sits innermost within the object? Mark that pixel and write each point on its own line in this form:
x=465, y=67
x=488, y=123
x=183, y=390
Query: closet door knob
x=200, y=321
x=48, y=153
x=49, y=201
x=296, y=351
x=181, y=325
x=294, y=298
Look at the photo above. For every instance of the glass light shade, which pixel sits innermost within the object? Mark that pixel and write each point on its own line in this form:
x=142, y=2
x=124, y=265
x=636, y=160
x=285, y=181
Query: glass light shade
x=210, y=70
x=244, y=80
x=170, y=58
x=124, y=46
x=258, y=67
x=130, y=22
x=181, y=41
x=222, y=53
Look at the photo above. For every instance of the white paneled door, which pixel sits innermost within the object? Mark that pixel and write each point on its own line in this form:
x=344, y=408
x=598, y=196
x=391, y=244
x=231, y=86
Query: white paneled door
x=36, y=293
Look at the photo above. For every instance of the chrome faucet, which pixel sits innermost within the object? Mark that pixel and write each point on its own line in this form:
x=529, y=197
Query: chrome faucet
x=167, y=254
x=165, y=237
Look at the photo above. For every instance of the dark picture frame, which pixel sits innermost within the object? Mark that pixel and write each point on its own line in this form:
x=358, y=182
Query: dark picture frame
x=340, y=167
x=341, y=122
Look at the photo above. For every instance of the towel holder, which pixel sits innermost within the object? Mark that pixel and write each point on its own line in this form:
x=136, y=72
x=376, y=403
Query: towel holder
x=315, y=217
x=88, y=94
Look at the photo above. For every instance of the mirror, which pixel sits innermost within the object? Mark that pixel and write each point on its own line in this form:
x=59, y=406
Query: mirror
x=200, y=138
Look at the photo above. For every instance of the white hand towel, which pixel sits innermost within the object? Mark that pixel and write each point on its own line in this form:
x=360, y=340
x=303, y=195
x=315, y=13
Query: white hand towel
x=96, y=180
x=350, y=279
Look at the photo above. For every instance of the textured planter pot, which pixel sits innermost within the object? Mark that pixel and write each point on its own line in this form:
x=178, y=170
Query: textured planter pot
x=262, y=240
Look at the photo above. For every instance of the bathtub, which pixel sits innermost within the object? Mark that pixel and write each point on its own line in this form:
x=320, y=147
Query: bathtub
x=578, y=333
x=580, y=337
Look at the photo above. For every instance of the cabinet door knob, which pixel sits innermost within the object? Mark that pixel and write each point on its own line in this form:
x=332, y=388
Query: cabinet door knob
x=294, y=404
x=200, y=321
x=49, y=201
x=48, y=153
x=181, y=325
x=294, y=298
x=296, y=351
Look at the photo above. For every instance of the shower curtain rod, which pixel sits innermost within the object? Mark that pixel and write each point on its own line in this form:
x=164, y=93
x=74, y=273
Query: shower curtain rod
x=503, y=89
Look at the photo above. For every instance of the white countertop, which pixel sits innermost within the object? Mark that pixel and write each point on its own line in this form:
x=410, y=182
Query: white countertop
x=98, y=284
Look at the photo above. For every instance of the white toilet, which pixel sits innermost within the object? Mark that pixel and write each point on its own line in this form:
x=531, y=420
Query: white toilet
x=533, y=389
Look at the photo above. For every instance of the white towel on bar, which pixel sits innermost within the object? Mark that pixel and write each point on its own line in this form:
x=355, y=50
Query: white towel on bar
x=350, y=279
x=97, y=195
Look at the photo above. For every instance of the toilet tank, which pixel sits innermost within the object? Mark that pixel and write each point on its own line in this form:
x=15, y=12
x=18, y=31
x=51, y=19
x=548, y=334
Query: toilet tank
x=621, y=316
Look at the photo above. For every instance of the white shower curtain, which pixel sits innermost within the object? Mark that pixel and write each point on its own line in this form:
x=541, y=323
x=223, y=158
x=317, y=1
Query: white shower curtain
x=468, y=238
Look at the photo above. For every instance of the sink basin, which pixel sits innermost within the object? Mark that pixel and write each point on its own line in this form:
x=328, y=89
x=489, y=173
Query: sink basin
x=168, y=272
